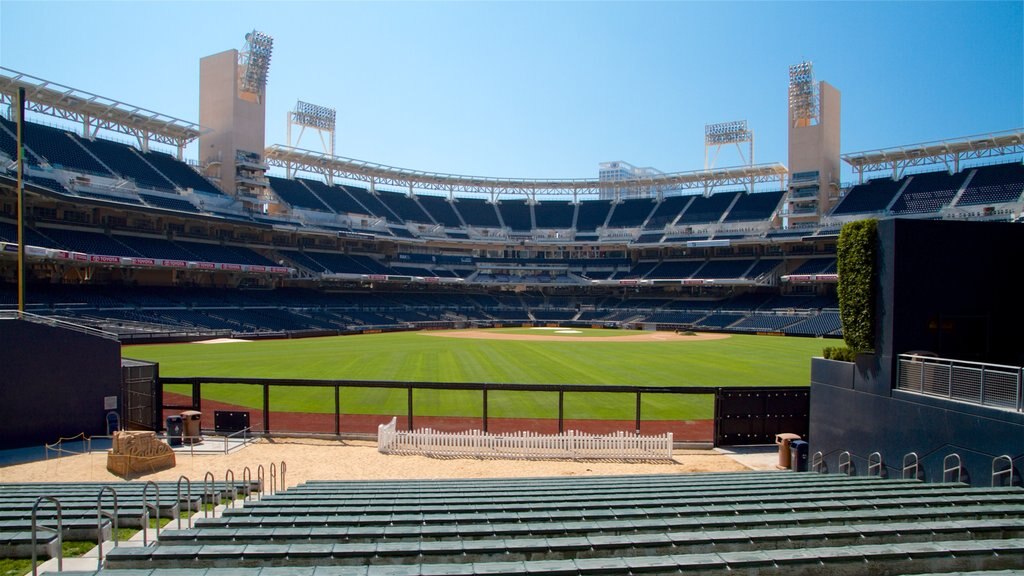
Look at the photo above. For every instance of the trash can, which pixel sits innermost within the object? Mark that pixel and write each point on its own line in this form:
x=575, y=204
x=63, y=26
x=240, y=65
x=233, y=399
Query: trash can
x=175, y=429
x=192, y=432
x=798, y=455
x=783, y=441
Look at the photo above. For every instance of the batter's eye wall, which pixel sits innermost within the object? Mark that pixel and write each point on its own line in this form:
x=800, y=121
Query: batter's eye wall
x=53, y=383
x=952, y=288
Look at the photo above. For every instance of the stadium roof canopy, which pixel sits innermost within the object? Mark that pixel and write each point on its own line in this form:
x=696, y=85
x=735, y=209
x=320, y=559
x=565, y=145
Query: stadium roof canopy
x=948, y=152
x=336, y=167
x=95, y=112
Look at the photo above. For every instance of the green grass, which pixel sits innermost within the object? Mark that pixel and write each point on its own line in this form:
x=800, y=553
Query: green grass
x=740, y=360
x=15, y=566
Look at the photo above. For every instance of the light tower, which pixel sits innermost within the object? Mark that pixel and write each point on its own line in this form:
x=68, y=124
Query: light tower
x=314, y=117
x=232, y=103
x=813, y=147
x=723, y=134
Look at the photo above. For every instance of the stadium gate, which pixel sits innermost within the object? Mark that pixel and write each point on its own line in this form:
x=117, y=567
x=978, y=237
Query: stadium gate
x=140, y=394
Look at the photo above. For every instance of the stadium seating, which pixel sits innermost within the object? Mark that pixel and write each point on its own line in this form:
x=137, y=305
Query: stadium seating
x=874, y=196
x=405, y=207
x=631, y=213
x=706, y=209
x=928, y=192
x=735, y=523
x=60, y=149
x=554, y=214
x=296, y=194
x=125, y=162
x=441, y=210
x=478, y=212
x=758, y=206
x=516, y=215
x=994, y=184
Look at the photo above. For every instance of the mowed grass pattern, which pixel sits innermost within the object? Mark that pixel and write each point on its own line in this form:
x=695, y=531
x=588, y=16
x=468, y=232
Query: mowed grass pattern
x=740, y=360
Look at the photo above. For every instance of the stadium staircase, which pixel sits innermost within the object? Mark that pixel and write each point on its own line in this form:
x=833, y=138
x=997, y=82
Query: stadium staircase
x=714, y=523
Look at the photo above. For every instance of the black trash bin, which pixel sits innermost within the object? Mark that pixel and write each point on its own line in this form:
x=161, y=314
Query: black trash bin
x=798, y=456
x=175, y=430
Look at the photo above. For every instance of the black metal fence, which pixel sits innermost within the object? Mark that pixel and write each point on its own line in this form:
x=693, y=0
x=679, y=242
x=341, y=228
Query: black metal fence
x=765, y=417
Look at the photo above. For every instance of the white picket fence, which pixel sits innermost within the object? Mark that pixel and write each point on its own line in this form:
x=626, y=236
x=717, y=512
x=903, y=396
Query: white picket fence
x=523, y=445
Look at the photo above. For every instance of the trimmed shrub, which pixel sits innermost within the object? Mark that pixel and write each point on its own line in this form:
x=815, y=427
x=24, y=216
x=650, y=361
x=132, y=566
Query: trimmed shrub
x=842, y=353
x=856, y=250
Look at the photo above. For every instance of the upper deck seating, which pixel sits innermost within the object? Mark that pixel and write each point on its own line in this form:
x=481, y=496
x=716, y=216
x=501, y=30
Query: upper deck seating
x=478, y=212
x=516, y=214
x=405, y=207
x=554, y=214
x=631, y=213
x=994, y=184
x=591, y=214
x=441, y=210
x=873, y=196
x=928, y=192
x=296, y=194
x=757, y=206
x=707, y=209
x=123, y=160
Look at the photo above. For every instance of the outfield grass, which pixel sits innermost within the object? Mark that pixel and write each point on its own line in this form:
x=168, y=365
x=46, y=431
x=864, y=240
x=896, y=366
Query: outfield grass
x=739, y=360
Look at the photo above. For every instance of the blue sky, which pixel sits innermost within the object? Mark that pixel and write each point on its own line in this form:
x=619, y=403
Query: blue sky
x=544, y=89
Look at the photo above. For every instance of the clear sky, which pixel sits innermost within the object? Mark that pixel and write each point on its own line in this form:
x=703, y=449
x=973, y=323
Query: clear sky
x=545, y=89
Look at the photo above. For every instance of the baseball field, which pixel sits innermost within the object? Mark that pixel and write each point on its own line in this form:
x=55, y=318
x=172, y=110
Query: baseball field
x=506, y=355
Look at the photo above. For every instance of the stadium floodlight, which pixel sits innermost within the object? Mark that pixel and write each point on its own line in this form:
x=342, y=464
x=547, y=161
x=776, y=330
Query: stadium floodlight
x=803, y=95
x=254, y=61
x=315, y=117
x=725, y=133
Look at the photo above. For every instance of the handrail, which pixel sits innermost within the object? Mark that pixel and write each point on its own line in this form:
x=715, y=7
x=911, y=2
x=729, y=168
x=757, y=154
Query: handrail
x=229, y=485
x=145, y=511
x=47, y=321
x=818, y=462
x=59, y=531
x=284, y=468
x=99, y=523
x=910, y=466
x=273, y=478
x=845, y=463
x=245, y=435
x=1008, y=471
x=188, y=496
x=947, y=469
x=260, y=480
x=210, y=494
x=247, y=483
x=875, y=466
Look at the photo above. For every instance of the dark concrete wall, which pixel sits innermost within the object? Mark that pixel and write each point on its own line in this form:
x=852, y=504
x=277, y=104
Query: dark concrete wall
x=53, y=383
x=847, y=415
x=944, y=287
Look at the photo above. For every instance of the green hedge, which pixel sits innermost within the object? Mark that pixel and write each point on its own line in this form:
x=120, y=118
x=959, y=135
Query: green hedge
x=856, y=250
x=840, y=353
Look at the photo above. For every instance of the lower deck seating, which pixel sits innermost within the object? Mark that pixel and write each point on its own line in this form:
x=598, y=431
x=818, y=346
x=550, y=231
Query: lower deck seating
x=725, y=523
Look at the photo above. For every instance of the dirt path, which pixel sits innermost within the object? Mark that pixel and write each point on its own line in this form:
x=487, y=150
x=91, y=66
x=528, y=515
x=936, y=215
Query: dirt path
x=544, y=336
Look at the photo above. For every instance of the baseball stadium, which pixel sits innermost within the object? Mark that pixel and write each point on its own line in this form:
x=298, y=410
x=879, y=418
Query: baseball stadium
x=229, y=356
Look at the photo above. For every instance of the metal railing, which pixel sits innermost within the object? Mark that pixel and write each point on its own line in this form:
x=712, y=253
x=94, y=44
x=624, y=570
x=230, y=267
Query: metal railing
x=50, y=321
x=994, y=385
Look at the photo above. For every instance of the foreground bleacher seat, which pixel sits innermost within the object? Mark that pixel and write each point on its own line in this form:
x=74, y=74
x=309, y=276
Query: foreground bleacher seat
x=735, y=523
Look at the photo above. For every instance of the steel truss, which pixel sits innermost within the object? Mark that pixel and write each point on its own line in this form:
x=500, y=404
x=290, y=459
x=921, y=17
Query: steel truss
x=948, y=152
x=96, y=113
x=339, y=168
